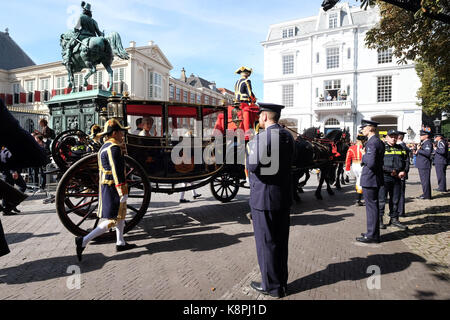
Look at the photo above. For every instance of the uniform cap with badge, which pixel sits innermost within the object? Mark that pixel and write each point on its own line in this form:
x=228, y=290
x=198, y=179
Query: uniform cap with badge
x=392, y=132
x=365, y=123
x=270, y=107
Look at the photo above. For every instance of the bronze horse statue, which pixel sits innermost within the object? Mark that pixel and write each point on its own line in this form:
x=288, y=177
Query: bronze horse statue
x=90, y=52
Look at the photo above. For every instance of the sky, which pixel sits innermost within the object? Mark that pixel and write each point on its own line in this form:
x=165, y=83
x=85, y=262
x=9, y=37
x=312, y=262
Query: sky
x=210, y=38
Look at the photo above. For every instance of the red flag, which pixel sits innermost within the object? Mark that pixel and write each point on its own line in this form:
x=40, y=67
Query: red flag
x=23, y=97
x=37, y=96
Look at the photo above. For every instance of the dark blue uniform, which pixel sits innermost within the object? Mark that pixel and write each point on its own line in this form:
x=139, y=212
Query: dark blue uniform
x=372, y=179
x=395, y=161
x=440, y=163
x=270, y=201
x=401, y=203
x=423, y=163
x=243, y=91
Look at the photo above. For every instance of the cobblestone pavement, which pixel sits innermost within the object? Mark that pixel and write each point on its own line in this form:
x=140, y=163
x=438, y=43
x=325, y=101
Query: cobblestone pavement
x=205, y=250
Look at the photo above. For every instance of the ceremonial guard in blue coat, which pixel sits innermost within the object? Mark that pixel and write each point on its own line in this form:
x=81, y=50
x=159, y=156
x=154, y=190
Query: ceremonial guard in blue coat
x=243, y=88
x=394, y=168
x=269, y=161
x=113, y=188
x=372, y=178
x=423, y=163
x=401, y=203
x=440, y=162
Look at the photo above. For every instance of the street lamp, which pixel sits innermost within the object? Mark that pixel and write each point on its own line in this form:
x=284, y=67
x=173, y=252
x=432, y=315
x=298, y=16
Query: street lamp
x=437, y=125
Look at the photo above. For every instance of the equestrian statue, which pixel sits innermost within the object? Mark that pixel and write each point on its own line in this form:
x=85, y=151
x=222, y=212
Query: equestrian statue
x=86, y=46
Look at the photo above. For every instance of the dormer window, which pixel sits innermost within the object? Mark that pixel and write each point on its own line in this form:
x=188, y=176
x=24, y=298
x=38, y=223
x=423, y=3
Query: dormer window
x=288, y=32
x=333, y=20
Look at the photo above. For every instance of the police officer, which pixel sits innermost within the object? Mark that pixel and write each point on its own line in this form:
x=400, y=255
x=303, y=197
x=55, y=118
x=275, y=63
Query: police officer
x=423, y=163
x=12, y=177
x=401, y=203
x=394, y=168
x=269, y=161
x=113, y=189
x=372, y=179
x=440, y=162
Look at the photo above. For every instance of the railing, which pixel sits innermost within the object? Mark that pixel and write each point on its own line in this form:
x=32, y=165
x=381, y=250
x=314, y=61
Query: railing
x=339, y=104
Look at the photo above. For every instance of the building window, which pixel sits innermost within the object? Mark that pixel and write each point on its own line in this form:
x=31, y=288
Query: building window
x=331, y=89
x=317, y=92
x=29, y=85
x=155, y=85
x=333, y=20
x=317, y=57
x=384, y=89
x=185, y=96
x=199, y=98
x=119, y=78
x=171, y=92
x=61, y=84
x=178, y=97
x=16, y=92
x=288, y=32
x=332, y=122
x=44, y=84
x=192, y=98
x=97, y=82
x=206, y=99
x=288, y=64
x=78, y=82
x=332, y=58
x=288, y=95
x=384, y=56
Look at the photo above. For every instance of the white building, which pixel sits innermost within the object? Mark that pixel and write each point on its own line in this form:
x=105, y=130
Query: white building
x=26, y=87
x=325, y=55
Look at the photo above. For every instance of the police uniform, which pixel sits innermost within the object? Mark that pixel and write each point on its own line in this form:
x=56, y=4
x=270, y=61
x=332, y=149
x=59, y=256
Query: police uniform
x=270, y=201
x=401, y=203
x=372, y=179
x=440, y=163
x=395, y=161
x=113, y=190
x=5, y=155
x=423, y=164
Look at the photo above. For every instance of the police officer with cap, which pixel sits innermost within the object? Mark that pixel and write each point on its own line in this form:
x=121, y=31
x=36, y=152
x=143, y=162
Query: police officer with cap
x=269, y=160
x=401, y=203
x=372, y=178
x=394, y=168
x=423, y=163
x=440, y=162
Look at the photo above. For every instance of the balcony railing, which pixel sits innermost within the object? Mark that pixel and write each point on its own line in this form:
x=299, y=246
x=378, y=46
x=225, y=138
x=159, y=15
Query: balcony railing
x=339, y=104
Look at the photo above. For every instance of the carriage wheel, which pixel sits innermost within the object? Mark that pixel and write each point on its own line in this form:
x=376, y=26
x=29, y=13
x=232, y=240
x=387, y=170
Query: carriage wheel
x=77, y=196
x=225, y=187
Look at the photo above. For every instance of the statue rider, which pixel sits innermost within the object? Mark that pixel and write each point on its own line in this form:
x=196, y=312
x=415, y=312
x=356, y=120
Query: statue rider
x=86, y=27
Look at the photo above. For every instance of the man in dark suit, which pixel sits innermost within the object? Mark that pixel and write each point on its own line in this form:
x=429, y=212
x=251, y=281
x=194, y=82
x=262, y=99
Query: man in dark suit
x=372, y=179
x=269, y=160
x=401, y=203
x=423, y=163
x=440, y=162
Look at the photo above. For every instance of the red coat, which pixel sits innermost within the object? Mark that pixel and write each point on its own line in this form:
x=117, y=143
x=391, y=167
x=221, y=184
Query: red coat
x=247, y=114
x=354, y=154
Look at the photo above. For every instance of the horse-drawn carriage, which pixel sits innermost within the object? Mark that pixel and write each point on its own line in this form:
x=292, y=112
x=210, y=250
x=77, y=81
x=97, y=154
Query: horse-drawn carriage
x=185, y=151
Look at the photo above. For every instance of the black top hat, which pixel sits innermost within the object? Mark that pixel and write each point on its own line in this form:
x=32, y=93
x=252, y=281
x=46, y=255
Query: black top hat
x=242, y=69
x=365, y=123
x=392, y=132
x=270, y=107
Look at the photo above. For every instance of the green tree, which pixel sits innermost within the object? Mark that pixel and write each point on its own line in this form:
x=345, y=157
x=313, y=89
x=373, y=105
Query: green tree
x=435, y=90
x=417, y=37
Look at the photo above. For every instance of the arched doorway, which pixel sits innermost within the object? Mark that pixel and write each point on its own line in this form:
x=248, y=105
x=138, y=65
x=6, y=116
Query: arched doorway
x=385, y=123
x=332, y=124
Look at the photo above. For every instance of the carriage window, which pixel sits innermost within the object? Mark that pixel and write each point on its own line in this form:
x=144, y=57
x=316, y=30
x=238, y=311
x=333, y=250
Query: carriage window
x=151, y=120
x=210, y=117
x=182, y=121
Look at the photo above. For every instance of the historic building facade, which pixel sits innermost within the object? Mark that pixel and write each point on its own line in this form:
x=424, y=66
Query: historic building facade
x=26, y=88
x=321, y=70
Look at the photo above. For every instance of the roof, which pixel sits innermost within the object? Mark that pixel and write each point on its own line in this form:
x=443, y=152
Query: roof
x=198, y=82
x=11, y=55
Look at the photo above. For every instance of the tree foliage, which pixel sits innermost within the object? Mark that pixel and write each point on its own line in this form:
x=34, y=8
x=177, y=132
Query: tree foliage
x=435, y=90
x=416, y=37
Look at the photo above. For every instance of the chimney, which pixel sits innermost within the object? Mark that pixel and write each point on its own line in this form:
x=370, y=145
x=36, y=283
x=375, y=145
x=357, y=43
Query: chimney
x=183, y=75
x=132, y=44
x=212, y=86
x=151, y=42
x=7, y=31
